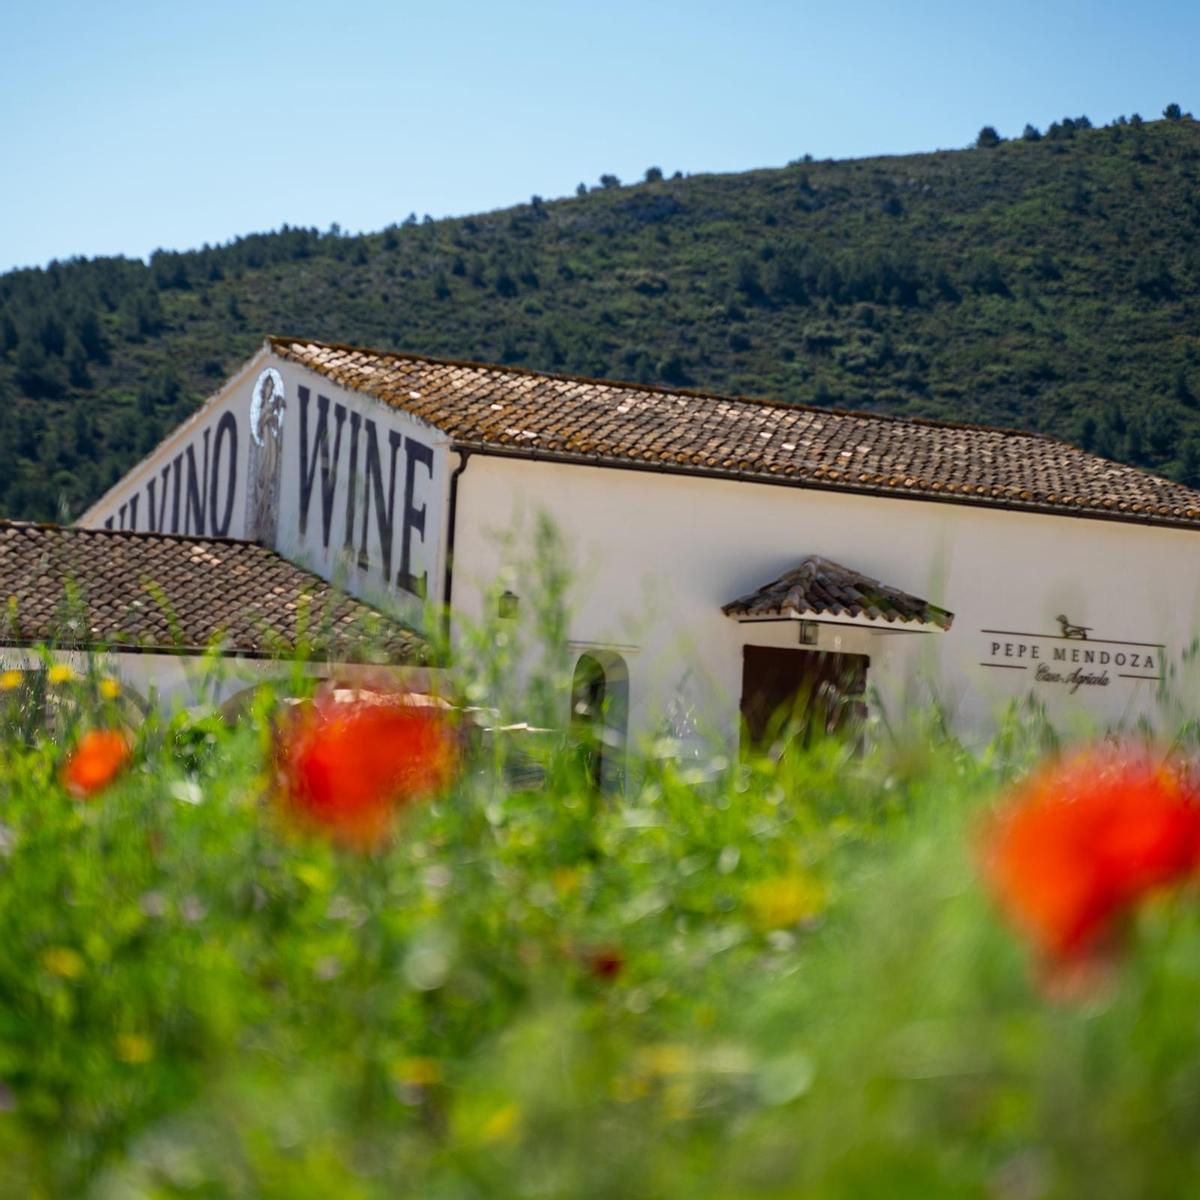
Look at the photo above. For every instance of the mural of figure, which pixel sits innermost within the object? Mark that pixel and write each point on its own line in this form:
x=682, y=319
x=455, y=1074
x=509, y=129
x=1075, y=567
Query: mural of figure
x=266, y=457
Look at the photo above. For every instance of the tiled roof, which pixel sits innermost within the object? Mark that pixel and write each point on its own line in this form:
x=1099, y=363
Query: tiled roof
x=87, y=587
x=820, y=588
x=509, y=410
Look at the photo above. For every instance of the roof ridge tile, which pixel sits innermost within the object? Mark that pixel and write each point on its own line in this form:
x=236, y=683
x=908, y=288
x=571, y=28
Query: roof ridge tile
x=518, y=412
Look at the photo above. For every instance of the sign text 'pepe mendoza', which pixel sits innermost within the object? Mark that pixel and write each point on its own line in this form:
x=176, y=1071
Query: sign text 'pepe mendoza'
x=1072, y=658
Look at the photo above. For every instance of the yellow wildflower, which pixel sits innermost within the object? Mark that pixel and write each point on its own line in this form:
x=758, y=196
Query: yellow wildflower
x=502, y=1125
x=311, y=876
x=666, y=1058
x=10, y=680
x=785, y=900
x=566, y=880
x=625, y=1089
x=60, y=673
x=63, y=962
x=110, y=689
x=418, y=1072
x=134, y=1048
x=678, y=1100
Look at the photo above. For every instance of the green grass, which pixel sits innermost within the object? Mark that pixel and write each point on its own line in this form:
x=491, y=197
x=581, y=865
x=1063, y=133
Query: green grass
x=814, y=996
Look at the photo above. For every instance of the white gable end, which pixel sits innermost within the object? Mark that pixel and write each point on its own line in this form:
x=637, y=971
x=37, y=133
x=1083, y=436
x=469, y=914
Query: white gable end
x=343, y=484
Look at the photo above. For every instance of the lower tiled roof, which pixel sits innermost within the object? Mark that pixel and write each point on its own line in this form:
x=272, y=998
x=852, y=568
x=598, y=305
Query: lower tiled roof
x=94, y=587
x=821, y=588
x=510, y=410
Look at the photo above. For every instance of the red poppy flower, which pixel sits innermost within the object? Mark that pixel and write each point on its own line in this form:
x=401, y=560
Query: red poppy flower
x=98, y=758
x=1085, y=838
x=345, y=765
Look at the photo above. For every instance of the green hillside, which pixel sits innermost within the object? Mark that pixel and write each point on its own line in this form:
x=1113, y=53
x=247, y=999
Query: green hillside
x=1050, y=284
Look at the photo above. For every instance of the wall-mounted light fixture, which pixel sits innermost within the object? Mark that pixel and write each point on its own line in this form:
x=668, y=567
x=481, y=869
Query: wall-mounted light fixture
x=810, y=633
x=507, y=606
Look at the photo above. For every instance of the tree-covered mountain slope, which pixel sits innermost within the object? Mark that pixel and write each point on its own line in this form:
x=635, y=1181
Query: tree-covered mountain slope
x=1049, y=284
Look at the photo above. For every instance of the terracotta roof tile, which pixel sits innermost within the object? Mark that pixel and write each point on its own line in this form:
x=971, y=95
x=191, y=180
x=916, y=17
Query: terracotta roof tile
x=551, y=416
x=819, y=587
x=88, y=587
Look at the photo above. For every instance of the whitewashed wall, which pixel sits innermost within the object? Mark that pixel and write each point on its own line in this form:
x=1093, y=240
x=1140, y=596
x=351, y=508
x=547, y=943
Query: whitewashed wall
x=386, y=500
x=658, y=555
x=194, y=482
x=184, y=681
x=166, y=681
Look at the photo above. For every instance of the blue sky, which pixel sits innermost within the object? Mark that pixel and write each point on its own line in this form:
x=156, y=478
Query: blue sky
x=128, y=126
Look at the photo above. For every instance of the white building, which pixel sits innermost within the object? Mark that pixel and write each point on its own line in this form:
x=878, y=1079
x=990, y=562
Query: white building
x=729, y=549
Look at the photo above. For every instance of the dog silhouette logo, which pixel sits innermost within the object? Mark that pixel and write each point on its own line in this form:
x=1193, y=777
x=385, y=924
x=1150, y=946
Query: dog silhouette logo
x=1073, y=631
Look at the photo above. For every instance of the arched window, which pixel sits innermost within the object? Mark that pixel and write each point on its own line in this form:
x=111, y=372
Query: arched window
x=600, y=717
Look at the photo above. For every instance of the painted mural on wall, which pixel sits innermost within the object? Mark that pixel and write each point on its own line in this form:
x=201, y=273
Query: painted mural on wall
x=267, y=408
x=335, y=481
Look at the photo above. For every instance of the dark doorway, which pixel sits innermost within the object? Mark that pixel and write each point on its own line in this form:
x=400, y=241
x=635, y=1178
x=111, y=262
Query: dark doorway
x=807, y=691
x=589, y=693
x=600, y=718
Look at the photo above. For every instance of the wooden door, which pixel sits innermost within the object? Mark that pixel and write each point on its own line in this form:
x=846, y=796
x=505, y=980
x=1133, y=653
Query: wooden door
x=811, y=692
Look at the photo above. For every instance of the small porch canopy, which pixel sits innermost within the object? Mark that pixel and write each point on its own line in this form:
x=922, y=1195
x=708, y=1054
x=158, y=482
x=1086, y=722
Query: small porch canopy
x=826, y=592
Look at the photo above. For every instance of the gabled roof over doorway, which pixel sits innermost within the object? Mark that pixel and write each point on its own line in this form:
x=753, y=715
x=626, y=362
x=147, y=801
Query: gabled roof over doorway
x=821, y=590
